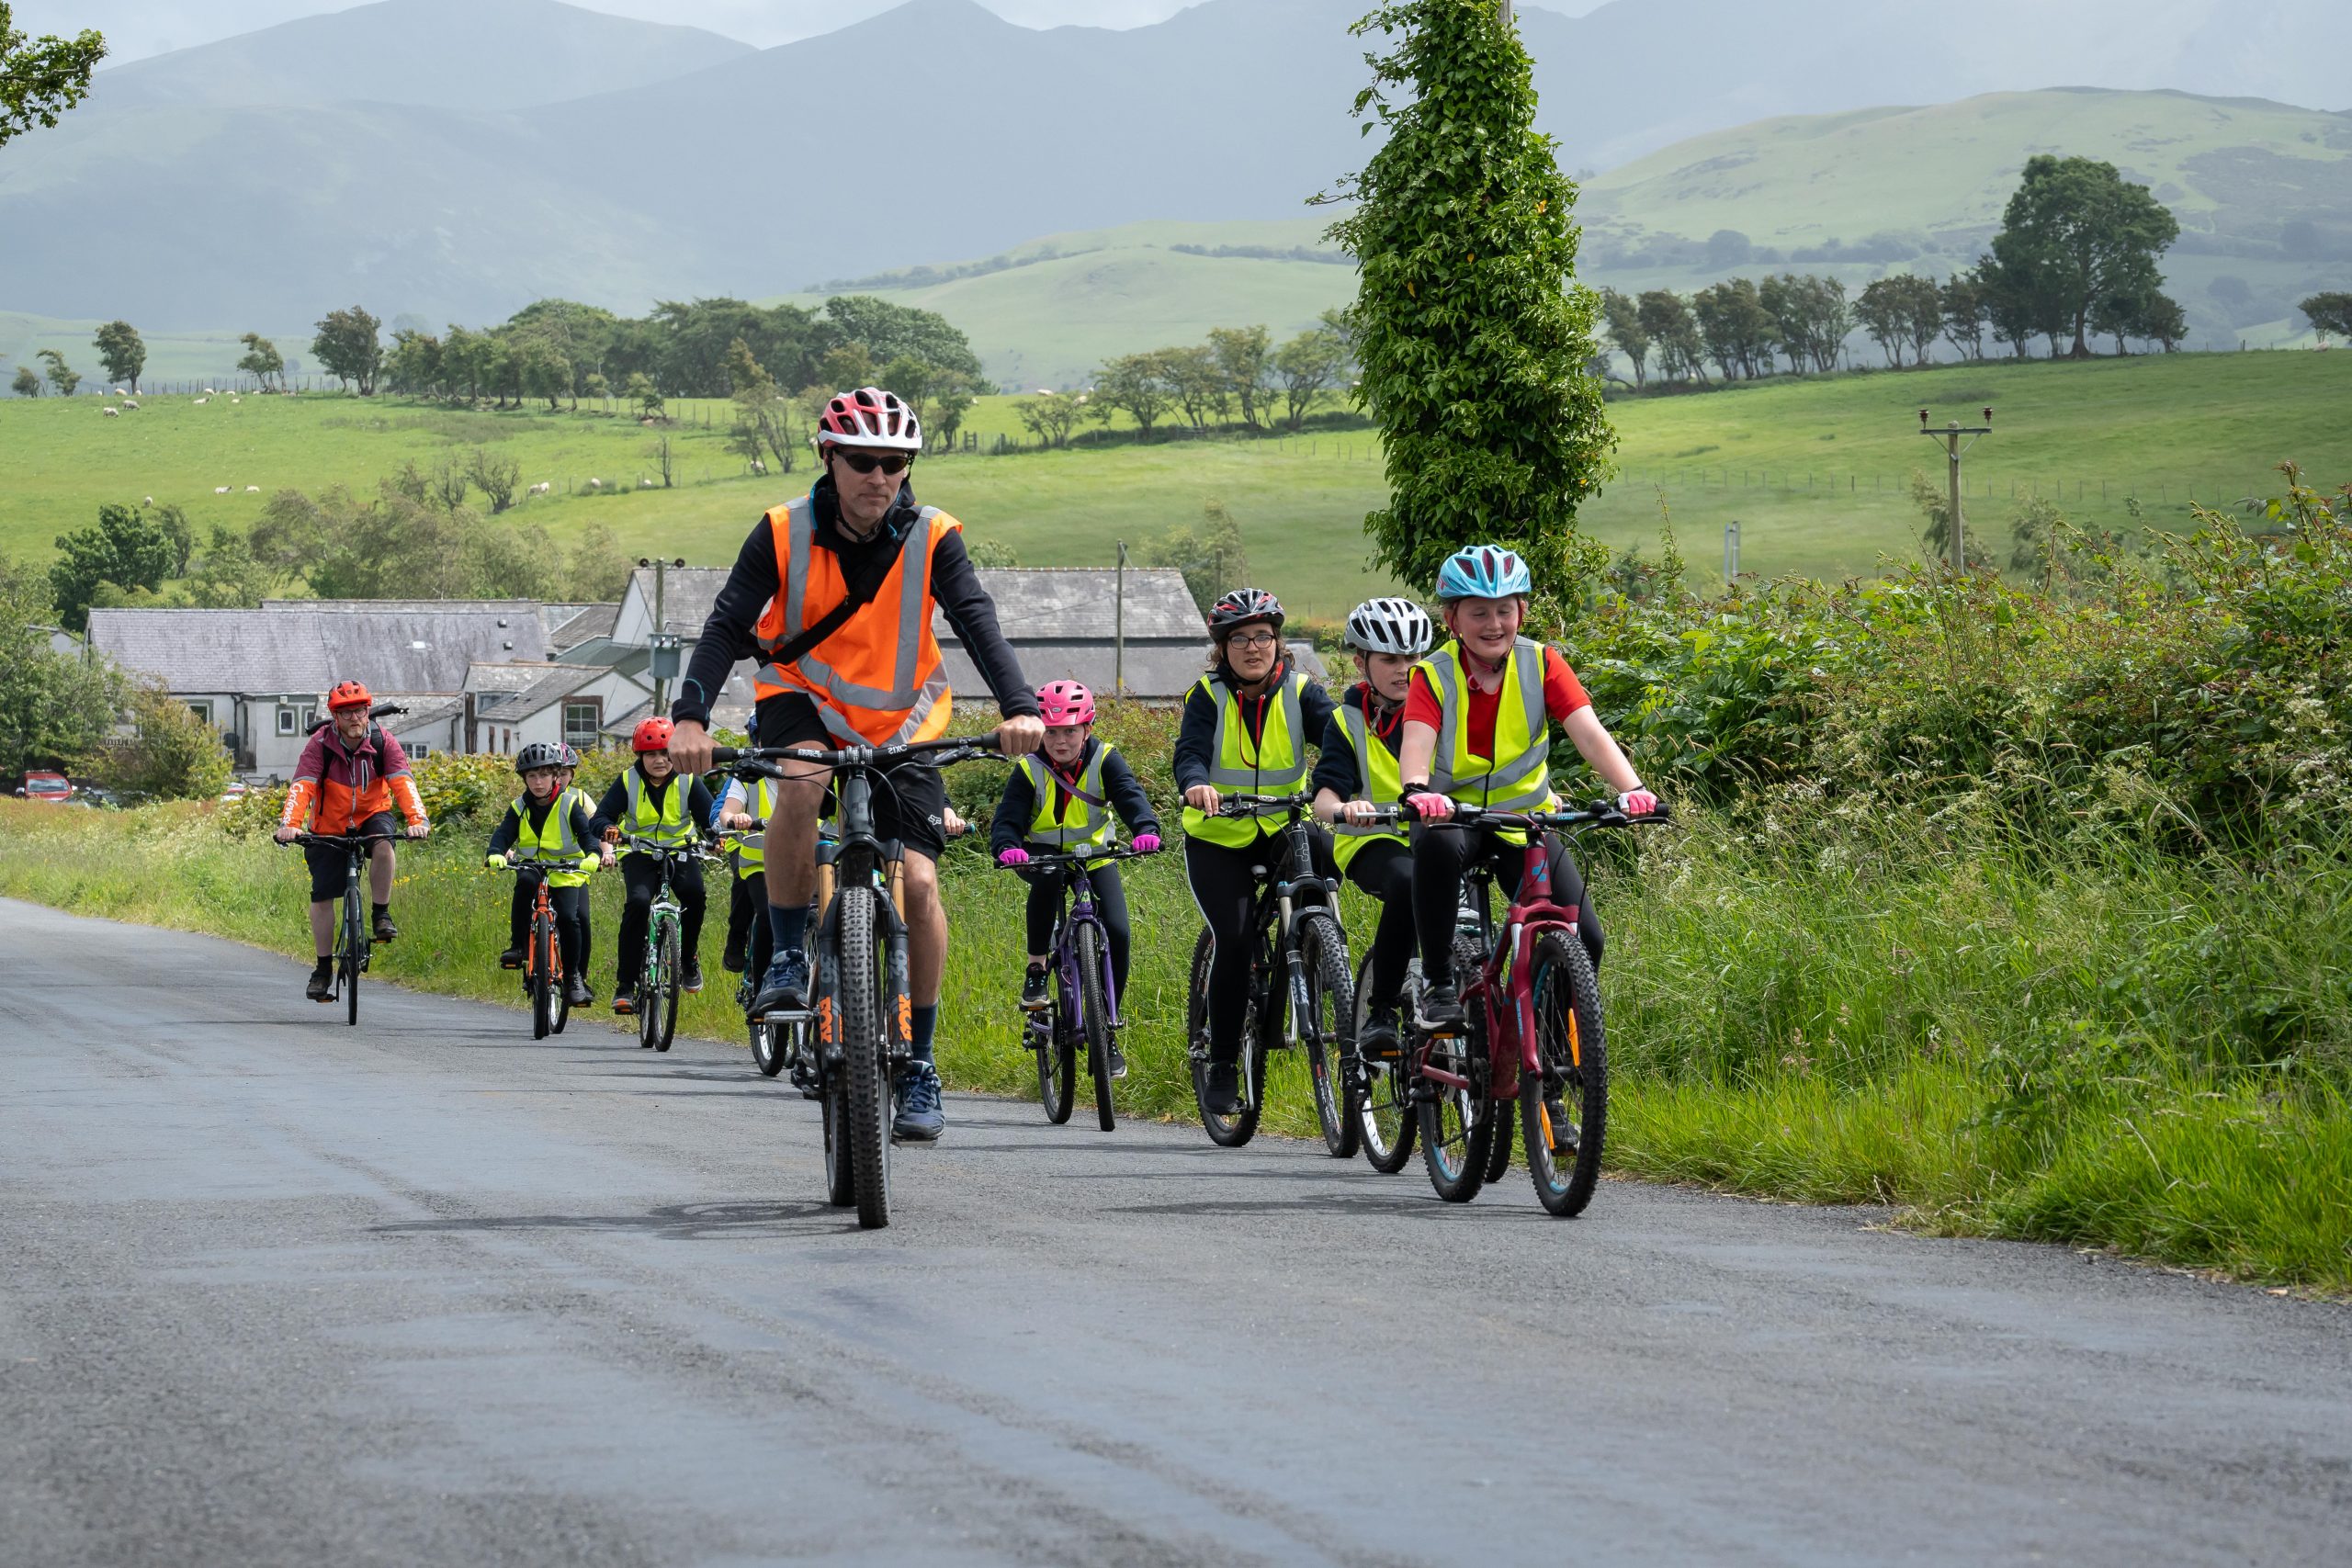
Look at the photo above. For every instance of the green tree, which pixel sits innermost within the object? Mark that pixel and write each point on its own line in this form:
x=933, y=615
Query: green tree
x=1197, y=384
x=646, y=395
x=262, y=361
x=122, y=353
x=1737, y=330
x=61, y=376
x=1621, y=315
x=348, y=348
x=953, y=393
x=27, y=383
x=54, y=708
x=2085, y=235
x=891, y=331
x=1668, y=319
x=174, y=525
x=497, y=476
x=846, y=368
x=2330, y=312
x=2161, y=320
x=1886, y=317
x=1962, y=300
x=1244, y=356
x=1137, y=383
x=1475, y=343
x=1210, y=554
x=542, y=371
x=910, y=379
x=172, y=754
x=40, y=78
x=1306, y=367
x=764, y=423
x=1050, y=416
x=413, y=366
x=125, y=547
x=228, y=577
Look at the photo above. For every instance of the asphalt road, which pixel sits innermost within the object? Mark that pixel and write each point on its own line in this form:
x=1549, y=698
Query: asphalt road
x=276, y=1290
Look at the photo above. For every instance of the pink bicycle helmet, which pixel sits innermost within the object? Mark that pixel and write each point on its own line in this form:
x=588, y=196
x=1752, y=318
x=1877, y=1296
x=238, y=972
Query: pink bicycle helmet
x=1065, y=702
x=870, y=417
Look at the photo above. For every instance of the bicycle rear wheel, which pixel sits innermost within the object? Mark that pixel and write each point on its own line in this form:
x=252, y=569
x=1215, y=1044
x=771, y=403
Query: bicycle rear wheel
x=1383, y=1117
x=767, y=1048
x=542, y=982
x=1498, y=1146
x=1563, y=1109
x=1328, y=1029
x=1048, y=1035
x=673, y=973
x=1225, y=1132
x=867, y=1055
x=1094, y=1022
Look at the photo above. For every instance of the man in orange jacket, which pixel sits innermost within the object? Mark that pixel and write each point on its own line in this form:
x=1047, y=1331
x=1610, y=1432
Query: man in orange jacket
x=874, y=679
x=350, y=774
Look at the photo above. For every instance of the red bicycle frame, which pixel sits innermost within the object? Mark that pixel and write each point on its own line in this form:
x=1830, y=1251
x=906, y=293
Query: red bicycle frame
x=1504, y=990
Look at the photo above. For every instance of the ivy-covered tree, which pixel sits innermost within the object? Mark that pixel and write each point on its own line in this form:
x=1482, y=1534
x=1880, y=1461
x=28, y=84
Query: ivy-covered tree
x=1474, y=340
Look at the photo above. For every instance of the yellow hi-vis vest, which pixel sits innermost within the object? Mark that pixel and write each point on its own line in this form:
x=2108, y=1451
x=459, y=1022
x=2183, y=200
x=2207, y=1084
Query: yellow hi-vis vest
x=1518, y=776
x=751, y=853
x=669, y=826
x=1381, y=781
x=1081, y=825
x=553, y=844
x=1275, y=765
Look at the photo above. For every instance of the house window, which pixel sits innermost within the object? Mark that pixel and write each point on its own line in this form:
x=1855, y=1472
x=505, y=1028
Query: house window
x=202, y=710
x=418, y=749
x=583, y=720
x=285, y=719
x=310, y=720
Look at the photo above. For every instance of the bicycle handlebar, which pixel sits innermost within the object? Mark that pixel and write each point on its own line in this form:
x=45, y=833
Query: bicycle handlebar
x=641, y=846
x=759, y=761
x=1070, y=857
x=338, y=840
x=1247, y=805
x=1599, y=814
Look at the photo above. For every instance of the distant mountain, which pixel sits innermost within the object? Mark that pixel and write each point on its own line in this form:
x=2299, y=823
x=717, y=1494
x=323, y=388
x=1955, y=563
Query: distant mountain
x=455, y=54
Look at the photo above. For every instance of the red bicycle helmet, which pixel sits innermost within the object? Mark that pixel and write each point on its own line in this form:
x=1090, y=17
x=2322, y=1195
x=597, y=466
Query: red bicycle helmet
x=349, y=695
x=870, y=417
x=1064, y=703
x=653, y=735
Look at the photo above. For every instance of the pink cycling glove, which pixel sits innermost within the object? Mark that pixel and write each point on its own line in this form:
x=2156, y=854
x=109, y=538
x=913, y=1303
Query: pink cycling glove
x=1014, y=856
x=1637, y=803
x=1430, y=807
x=1147, y=843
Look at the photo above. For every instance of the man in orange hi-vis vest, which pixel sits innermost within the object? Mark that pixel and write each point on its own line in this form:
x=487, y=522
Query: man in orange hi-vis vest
x=873, y=679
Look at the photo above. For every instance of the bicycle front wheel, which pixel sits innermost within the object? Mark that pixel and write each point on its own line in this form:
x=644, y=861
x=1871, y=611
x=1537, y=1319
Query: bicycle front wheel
x=1564, y=1107
x=1384, y=1116
x=1225, y=1132
x=648, y=991
x=1094, y=1021
x=354, y=955
x=1328, y=1029
x=543, y=986
x=867, y=1055
x=673, y=972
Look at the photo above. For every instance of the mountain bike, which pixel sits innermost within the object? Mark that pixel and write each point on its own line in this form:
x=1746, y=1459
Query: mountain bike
x=352, y=937
x=661, y=970
x=1086, y=1000
x=1531, y=1033
x=1302, y=988
x=543, y=970
x=862, y=1008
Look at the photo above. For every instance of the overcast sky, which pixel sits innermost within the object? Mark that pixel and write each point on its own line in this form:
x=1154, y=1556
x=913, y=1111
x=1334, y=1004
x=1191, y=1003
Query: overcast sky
x=136, y=29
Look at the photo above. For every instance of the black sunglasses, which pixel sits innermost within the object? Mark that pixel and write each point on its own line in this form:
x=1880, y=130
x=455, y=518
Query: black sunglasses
x=892, y=463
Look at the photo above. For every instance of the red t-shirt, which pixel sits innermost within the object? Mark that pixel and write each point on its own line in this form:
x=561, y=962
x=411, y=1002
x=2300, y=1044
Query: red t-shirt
x=1563, y=694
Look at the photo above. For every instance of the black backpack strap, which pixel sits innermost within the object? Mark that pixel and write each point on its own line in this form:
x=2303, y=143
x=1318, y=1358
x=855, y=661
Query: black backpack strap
x=862, y=586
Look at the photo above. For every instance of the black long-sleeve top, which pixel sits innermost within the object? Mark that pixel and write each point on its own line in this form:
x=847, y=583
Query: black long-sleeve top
x=1197, y=736
x=1018, y=808
x=613, y=810
x=1335, y=764
x=510, y=827
x=728, y=634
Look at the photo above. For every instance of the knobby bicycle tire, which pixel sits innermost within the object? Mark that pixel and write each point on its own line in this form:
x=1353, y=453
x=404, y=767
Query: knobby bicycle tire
x=1094, y=1021
x=1225, y=1132
x=866, y=1054
x=1498, y=1146
x=1571, y=1043
x=649, y=986
x=543, y=982
x=355, y=954
x=841, y=1184
x=1384, y=1118
x=1328, y=1029
x=1057, y=1060
x=673, y=980
x=767, y=1048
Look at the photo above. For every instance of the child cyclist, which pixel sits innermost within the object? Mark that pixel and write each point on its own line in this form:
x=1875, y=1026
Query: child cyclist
x=1477, y=731
x=1357, y=772
x=567, y=770
x=548, y=832
x=1246, y=729
x=651, y=800
x=1059, y=800
x=749, y=940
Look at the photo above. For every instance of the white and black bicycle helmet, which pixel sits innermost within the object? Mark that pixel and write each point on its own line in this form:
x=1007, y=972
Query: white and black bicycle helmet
x=1391, y=626
x=538, y=754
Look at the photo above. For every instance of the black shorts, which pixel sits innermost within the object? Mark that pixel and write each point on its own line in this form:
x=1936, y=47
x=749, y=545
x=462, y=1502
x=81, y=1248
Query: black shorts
x=909, y=800
x=326, y=864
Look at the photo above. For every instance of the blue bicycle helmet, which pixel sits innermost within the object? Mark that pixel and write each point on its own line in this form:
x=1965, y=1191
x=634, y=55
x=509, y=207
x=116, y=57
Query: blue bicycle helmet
x=1483, y=571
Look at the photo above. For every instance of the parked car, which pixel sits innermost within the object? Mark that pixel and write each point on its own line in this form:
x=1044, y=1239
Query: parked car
x=51, y=789
x=89, y=794
x=238, y=789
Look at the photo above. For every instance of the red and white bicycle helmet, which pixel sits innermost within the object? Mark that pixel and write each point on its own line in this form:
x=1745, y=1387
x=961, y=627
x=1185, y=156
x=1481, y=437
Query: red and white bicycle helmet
x=870, y=417
x=1064, y=703
x=1242, y=606
x=653, y=735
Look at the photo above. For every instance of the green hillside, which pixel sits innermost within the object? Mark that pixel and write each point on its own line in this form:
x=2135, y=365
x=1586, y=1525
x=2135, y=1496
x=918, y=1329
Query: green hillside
x=1816, y=471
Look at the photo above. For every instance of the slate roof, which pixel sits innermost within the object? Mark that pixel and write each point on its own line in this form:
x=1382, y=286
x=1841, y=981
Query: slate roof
x=586, y=623
x=1081, y=604
x=307, y=650
x=688, y=594
x=539, y=617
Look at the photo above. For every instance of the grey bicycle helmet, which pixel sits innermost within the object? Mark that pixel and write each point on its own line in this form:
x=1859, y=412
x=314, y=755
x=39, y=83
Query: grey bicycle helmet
x=538, y=754
x=565, y=756
x=1242, y=606
x=1391, y=626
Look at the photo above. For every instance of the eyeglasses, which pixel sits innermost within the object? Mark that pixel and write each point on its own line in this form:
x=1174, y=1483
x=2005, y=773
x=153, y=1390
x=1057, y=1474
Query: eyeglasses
x=1252, y=640
x=892, y=463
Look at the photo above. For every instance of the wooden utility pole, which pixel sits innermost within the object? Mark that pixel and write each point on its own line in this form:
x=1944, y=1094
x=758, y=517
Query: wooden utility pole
x=1949, y=436
x=1119, y=630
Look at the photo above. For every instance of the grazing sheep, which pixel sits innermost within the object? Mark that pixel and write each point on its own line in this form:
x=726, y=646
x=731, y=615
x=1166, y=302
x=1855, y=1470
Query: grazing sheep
x=235, y=399
x=111, y=413
x=210, y=393
x=542, y=488
x=253, y=490
x=114, y=391
x=758, y=467
x=148, y=502
x=219, y=490
x=129, y=402
x=644, y=483
x=202, y=402
x=596, y=484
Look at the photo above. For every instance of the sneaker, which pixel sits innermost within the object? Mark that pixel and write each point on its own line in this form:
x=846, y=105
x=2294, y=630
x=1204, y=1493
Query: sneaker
x=1378, y=1041
x=385, y=929
x=1221, y=1095
x=1033, y=989
x=1118, y=1062
x=732, y=960
x=625, y=1000
x=511, y=959
x=575, y=991
x=1441, y=1007
x=920, y=1117
x=787, y=986
x=321, y=986
x=691, y=981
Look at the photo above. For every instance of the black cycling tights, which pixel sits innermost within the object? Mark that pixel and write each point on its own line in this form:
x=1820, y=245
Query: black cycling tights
x=1226, y=892
x=642, y=873
x=1384, y=868
x=1440, y=856
x=1109, y=903
x=570, y=906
